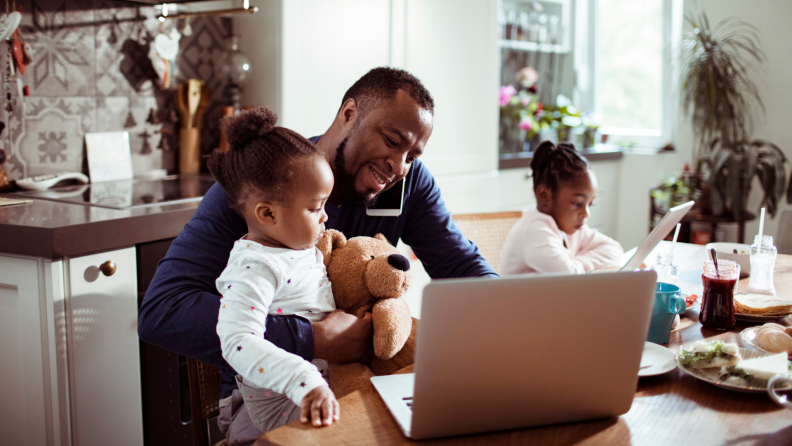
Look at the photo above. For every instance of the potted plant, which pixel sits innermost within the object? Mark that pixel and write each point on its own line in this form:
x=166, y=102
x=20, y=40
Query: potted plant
x=716, y=92
x=518, y=125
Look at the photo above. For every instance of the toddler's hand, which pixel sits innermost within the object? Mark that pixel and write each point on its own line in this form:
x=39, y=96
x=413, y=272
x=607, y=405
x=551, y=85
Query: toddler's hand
x=321, y=406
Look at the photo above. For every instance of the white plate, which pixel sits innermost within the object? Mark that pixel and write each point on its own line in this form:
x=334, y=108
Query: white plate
x=749, y=336
x=711, y=375
x=696, y=305
x=659, y=358
x=759, y=319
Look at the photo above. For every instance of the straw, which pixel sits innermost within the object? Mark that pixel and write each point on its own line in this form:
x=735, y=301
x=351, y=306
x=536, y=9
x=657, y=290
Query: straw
x=761, y=229
x=676, y=234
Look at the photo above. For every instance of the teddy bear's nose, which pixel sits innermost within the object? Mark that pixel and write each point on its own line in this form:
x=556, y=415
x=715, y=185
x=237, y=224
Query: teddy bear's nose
x=399, y=262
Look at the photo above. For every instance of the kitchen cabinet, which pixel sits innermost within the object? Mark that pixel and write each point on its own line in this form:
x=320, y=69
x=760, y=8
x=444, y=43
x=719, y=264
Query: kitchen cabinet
x=603, y=213
x=305, y=54
x=452, y=46
x=68, y=339
x=515, y=189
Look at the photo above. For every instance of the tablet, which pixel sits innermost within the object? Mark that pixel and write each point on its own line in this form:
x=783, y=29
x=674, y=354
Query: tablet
x=666, y=225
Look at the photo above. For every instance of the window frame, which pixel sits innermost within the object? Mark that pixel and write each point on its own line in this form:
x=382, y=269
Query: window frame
x=588, y=74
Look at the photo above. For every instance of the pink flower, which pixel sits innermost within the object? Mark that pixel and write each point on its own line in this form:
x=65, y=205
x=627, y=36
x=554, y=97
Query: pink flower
x=525, y=124
x=527, y=76
x=525, y=100
x=506, y=93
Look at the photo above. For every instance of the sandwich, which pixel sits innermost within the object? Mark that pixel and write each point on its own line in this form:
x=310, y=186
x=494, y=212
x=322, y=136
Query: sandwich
x=703, y=355
x=757, y=371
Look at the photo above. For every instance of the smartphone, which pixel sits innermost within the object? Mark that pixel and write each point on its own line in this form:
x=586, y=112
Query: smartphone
x=389, y=203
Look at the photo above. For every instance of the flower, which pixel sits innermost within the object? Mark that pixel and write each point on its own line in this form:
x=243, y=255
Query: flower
x=539, y=108
x=525, y=100
x=525, y=124
x=506, y=93
x=527, y=77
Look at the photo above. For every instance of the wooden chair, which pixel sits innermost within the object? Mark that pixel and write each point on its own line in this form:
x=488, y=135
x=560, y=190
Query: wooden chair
x=488, y=232
x=204, y=382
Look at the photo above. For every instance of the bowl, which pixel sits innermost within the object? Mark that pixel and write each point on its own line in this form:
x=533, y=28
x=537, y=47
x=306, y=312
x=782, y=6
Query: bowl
x=738, y=252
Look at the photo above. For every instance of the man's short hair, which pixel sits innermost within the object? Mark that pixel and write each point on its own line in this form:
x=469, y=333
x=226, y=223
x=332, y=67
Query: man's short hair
x=380, y=85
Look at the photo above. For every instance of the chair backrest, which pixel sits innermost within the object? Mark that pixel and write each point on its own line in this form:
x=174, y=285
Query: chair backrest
x=783, y=239
x=204, y=397
x=488, y=232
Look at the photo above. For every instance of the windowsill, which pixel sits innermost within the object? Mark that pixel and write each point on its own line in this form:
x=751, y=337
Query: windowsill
x=600, y=152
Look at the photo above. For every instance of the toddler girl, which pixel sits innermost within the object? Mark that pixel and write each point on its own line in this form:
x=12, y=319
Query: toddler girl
x=553, y=236
x=279, y=182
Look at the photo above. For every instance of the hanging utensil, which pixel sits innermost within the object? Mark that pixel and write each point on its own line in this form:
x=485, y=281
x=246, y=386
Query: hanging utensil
x=206, y=97
x=188, y=100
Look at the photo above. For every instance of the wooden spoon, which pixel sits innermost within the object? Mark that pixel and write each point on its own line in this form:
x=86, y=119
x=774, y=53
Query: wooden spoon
x=206, y=97
x=193, y=99
x=180, y=100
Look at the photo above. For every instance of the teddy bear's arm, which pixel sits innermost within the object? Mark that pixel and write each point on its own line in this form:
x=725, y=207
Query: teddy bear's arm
x=392, y=324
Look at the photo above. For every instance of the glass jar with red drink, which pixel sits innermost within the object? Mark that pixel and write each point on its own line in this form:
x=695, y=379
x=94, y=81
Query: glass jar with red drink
x=717, y=303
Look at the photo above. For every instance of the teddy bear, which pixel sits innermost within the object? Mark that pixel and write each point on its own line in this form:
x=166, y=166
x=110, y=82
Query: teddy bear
x=369, y=275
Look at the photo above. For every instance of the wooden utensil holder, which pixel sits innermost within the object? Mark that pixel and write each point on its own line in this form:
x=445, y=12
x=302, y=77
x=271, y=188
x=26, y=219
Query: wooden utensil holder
x=190, y=150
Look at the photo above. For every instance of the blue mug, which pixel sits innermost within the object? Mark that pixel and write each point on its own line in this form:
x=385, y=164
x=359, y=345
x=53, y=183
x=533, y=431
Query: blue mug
x=668, y=303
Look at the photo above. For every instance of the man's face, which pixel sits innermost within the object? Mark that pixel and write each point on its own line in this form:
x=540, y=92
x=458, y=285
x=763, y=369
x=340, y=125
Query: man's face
x=378, y=150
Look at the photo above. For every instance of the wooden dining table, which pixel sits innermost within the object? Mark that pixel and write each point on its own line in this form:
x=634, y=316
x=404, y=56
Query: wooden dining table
x=672, y=408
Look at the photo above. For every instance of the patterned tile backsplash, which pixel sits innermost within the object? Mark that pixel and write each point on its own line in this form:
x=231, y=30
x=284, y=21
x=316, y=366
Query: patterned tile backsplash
x=91, y=73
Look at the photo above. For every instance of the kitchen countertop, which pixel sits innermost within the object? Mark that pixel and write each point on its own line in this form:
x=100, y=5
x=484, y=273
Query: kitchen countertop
x=55, y=230
x=523, y=159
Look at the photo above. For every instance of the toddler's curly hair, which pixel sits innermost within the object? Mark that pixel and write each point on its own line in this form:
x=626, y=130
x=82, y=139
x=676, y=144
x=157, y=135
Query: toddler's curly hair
x=260, y=156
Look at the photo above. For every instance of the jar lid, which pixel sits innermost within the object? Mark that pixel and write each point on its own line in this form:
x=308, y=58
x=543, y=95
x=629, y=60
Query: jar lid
x=727, y=269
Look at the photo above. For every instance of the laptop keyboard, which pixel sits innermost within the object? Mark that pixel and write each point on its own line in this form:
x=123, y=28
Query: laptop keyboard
x=408, y=401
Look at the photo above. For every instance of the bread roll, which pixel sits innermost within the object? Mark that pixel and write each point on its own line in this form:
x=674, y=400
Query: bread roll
x=788, y=331
x=774, y=341
x=774, y=326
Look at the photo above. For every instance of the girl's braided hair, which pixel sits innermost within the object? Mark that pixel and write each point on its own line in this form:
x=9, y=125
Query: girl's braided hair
x=260, y=156
x=553, y=165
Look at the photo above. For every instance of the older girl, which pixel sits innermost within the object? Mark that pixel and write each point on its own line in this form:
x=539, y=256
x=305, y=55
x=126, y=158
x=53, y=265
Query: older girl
x=553, y=236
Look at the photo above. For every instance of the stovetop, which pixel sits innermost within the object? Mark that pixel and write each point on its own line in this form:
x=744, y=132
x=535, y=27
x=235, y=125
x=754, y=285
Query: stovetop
x=128, y=194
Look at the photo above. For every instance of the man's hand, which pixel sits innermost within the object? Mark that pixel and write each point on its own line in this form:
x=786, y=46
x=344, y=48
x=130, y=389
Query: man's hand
x=342, y=337
x=320, y=406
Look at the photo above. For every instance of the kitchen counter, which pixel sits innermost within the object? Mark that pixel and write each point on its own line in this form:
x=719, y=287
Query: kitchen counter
x=523, y=159
x=55, y=230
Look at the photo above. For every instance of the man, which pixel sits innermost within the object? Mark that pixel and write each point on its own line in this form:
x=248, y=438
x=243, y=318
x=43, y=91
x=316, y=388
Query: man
x=374, y=142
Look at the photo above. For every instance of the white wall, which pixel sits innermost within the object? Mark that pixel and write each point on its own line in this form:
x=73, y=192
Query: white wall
x=773, y=80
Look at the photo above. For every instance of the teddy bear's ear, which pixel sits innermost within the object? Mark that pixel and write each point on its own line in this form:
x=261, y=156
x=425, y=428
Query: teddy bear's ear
x=331, y=240
x=382, y=237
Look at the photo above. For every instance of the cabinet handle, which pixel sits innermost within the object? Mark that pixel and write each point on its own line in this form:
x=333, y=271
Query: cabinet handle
x=108, y=268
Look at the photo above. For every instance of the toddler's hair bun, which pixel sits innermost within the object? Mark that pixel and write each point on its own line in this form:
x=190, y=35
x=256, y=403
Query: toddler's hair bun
x=242, y=128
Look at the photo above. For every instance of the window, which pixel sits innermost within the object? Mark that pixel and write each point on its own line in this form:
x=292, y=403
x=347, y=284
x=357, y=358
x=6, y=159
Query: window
x=625, y=67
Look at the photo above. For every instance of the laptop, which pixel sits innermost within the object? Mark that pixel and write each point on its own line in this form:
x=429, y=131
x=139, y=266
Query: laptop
x=495, y=354
x=666, y=225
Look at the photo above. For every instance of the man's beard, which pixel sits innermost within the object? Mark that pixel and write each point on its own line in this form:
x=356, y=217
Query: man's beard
x=346, y=180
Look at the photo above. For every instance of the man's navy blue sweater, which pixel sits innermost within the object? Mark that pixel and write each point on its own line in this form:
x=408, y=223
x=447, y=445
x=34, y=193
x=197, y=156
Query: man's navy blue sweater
x=179, y=311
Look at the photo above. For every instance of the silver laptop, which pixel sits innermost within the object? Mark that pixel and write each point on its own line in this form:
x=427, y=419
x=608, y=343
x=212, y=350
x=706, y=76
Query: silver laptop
x=521, y=351
x=666, y=225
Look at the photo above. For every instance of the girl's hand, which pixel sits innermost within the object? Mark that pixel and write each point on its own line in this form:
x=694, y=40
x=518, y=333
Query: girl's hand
x=320, y=406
